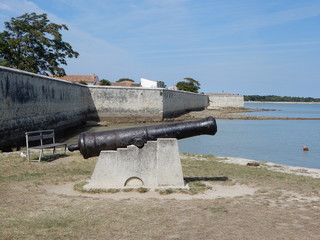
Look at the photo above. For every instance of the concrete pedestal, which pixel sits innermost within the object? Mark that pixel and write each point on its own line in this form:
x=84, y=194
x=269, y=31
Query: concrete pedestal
x=156, y=165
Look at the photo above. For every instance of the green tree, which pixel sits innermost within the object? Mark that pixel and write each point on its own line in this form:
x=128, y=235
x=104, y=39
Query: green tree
x=125, y=79
x=189, y=85
x=34, y=44
x=105, y=82
x=83, y=82
x=161, y=84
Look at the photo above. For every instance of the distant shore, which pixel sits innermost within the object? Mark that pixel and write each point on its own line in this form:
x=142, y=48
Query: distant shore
x=231, y=113
x=283, y=102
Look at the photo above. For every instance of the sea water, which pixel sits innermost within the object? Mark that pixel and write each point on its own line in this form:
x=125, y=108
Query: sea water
x=291, y=110
x=277, y=141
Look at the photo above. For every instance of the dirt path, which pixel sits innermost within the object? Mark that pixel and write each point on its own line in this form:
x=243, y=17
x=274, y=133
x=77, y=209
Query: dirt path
x=216, y=191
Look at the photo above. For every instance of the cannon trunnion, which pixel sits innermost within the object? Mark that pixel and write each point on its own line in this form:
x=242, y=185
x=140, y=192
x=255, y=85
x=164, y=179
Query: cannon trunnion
x=91, y=144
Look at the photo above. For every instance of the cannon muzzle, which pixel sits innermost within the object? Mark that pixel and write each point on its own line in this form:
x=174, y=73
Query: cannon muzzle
x=91, y=144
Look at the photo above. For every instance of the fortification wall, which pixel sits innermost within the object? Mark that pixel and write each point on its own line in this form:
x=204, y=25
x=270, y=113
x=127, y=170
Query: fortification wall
x=176, y=103
x=31, y=102
x=120, y=104
x=225, y=100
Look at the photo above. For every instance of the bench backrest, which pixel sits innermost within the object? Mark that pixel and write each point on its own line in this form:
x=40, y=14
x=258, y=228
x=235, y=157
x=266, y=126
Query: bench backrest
x=39, y=136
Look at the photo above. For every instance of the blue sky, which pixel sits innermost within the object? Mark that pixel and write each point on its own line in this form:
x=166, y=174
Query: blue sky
x=241, y=47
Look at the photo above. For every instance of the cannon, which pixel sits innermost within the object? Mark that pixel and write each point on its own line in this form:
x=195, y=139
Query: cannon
x=91, y=144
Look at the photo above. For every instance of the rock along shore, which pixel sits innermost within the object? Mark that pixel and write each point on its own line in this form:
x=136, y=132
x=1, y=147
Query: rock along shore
x=231, y=113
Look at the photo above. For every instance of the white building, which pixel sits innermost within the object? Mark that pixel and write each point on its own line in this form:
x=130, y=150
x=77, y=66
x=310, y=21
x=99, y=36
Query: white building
x=150, y=84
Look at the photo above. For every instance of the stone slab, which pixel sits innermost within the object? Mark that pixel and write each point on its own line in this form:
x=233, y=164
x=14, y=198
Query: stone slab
x=156, y=165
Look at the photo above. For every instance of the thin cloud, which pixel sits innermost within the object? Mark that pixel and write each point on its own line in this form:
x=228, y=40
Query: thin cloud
x=235, y=47
x=4, y=6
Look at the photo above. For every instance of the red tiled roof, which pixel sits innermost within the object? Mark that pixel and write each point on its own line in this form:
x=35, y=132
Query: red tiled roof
x=79, y=78
x=125, y=84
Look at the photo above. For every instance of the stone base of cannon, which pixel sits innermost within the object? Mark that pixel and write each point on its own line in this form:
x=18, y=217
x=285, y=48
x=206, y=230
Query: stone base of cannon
x=157, y=165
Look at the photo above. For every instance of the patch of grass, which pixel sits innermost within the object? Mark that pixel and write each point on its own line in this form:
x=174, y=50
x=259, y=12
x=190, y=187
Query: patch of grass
x=198, y=187
x=219, y=209
x=80, y=187
x=248, y=175
x=166, y=191
x=142, y=190
x=128, y=189
x=262, y=191
x=201, y=157
x=111, y=190
x=23, y=176
x=69, y=168
x=50, y=221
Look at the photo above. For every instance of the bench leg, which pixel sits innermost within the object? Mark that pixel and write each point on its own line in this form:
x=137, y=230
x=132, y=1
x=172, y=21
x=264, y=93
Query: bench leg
x=40, y=155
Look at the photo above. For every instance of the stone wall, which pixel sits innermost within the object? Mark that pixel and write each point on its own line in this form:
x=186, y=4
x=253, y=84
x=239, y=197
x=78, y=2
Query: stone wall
x=178, y=102
x=225, y=100
x=122, y=104
x=119, y=104
x=31, y=102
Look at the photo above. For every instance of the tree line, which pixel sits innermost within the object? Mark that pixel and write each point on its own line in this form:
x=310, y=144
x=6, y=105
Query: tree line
x=274, y=98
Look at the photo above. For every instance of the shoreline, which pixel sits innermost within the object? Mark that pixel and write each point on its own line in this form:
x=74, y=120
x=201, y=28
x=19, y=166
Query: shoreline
x=301, y=171
x=282, y=102
x=230, y=113
x=275, y=167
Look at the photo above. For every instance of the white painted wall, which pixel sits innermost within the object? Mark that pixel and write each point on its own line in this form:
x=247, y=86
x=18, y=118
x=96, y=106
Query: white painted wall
x=120, y=104
x=225, y=100
x=146, y=83
x=179, y=102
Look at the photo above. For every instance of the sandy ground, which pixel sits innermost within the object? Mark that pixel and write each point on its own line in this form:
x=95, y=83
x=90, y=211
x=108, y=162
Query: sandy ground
x=217, y=190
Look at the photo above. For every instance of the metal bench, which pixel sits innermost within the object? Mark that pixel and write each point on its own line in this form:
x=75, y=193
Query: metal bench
x=46, y=140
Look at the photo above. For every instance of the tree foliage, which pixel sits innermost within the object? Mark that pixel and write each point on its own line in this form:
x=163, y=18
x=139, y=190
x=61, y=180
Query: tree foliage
x=34, y=44
x=125, y=79
x=274, y=98
x=161, y=84
x=189, y=85
x=83, y=82
x=105, y=82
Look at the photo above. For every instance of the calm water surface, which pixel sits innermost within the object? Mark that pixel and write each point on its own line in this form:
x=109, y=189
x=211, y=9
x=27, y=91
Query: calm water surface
x=278, y=141
x=292, y=110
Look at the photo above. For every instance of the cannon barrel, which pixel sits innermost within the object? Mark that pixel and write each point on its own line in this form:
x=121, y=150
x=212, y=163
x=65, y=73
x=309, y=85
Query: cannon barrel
x=91, y=144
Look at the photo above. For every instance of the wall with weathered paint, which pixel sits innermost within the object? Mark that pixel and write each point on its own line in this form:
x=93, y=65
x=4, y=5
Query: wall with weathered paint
x=119, y=104
x=225, y=100
x=122, y=104
x=31, y=102
x=178, y=102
